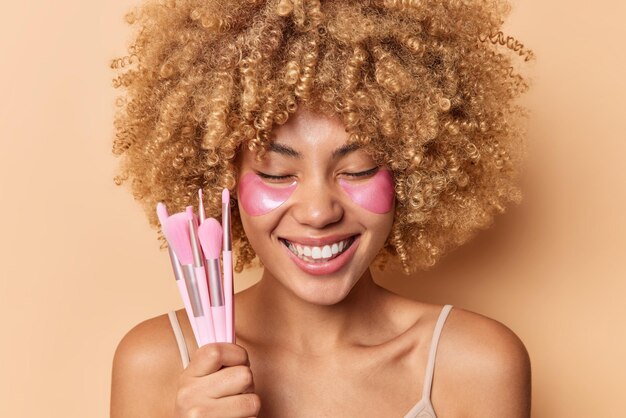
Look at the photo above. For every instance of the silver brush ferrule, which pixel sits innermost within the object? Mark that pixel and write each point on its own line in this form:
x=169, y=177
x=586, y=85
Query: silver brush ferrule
x=215, y=282
x=191, y=283
x=178, y=273
x=195, y=249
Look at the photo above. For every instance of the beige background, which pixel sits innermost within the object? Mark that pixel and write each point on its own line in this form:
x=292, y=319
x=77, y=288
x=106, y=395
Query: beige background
x=80, y=266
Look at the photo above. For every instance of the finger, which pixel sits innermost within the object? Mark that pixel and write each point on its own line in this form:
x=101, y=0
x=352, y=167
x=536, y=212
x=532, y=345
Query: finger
x=229, y=381
x=239, y=406
x=211, y=357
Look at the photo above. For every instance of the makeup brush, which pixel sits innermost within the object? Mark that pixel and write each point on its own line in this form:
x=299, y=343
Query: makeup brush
x=201, y=206
x=198, y=264
x=210, y=234
x=178, y=273
x=227, y=260
x=179, y=234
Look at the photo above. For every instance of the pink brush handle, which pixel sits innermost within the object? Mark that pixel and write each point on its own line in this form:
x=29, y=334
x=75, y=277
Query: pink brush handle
x=203, y=323
x=227, y=259
x=182, y=290
x=219, y=322
x=185, y=297
x=206, y=306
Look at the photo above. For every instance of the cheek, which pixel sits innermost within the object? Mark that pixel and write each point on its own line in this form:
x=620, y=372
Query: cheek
x=376, y=195
x=257, y=198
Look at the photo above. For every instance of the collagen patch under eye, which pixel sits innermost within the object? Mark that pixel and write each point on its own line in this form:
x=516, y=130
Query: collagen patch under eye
x=257, y=198
x=375, y=195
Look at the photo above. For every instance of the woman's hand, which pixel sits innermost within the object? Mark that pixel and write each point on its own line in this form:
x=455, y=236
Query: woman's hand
x=217, y=383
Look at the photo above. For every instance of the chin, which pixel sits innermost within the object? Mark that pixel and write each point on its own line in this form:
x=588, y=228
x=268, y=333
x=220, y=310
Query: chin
x=323, y=299
x=324, y=291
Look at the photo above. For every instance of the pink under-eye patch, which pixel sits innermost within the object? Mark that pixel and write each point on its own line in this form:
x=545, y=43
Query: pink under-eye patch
x=257, y=198
x=375, y=195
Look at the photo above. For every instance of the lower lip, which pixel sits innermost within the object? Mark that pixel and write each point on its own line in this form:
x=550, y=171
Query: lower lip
x=326, y=267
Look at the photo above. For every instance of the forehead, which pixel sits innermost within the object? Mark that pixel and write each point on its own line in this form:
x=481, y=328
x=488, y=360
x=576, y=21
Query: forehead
x=311, y=129
x=308, y=136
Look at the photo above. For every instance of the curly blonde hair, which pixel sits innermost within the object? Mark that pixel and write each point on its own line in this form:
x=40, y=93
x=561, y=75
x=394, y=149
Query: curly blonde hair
x=424, y=86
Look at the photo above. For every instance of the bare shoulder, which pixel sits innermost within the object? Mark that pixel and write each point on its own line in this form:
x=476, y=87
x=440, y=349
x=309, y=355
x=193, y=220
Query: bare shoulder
x=485, y=367
x=146, y=366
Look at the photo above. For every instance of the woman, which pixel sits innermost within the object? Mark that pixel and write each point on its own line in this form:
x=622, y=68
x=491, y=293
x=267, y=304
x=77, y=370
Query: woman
x=350, y=135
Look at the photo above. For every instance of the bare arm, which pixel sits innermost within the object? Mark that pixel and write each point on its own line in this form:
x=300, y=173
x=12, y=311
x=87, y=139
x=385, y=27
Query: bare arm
x=506, y=383
x=493, y=374
x=148, y=379
x=144, y=379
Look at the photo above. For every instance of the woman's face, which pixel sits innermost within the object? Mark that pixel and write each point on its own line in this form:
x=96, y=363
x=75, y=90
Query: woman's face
x=330, y=204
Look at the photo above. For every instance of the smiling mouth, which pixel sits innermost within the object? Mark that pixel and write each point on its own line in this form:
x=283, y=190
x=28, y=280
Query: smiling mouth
x=321, y=254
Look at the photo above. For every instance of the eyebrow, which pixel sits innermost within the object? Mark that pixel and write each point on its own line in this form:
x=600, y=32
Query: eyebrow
x=290, y=152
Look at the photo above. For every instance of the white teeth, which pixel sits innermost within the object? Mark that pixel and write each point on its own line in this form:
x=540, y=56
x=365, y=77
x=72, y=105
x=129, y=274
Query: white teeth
x=319, y=253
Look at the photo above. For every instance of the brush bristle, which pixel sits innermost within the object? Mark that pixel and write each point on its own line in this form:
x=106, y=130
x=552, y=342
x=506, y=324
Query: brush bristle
x=177, y=233
x=225, y=196
x=161, y=211
x=191, y=215
x=210, y=236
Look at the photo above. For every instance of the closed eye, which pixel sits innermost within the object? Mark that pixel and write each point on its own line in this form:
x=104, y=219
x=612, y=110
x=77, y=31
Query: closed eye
x=363, y=173
x=356, y=175
x=270, y=177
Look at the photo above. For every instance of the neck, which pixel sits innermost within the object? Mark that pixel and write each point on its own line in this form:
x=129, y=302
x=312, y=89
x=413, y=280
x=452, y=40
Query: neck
x=285, y=320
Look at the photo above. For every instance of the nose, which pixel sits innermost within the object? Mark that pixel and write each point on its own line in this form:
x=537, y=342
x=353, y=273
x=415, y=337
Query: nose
x=317, y=204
